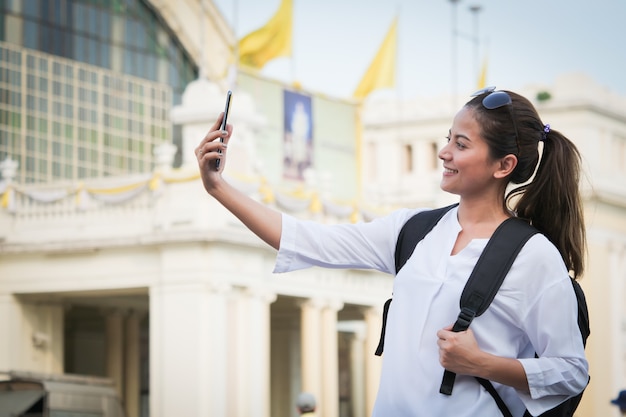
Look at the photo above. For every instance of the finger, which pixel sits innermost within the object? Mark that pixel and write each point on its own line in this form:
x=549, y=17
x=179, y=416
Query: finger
x=211, y=150
x=214, y=131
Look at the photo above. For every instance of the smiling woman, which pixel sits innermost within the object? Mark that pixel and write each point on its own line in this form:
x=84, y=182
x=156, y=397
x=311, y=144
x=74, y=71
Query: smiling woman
x=493, y=142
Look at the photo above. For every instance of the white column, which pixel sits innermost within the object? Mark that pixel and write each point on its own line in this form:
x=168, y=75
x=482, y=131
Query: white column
x=617, y=325
x=329, y=400
x=115, y=350
x=188, y=350
x=357, y=360
x=10, y=329
x=311, y=336
x=373, y=363
x=56, y=320
x=249, y=376
x=258, y=381
x=132, y=364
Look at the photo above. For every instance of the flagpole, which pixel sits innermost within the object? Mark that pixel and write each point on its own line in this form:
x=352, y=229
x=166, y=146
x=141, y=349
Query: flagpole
x=475, y=9
x=359, y=152
x=202, y=72
x=234, y=75
x=454, y=55
x=293, y=54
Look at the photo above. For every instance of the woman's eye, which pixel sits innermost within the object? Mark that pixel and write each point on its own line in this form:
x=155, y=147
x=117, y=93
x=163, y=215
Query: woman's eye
x=460, y=145
x=448, y=139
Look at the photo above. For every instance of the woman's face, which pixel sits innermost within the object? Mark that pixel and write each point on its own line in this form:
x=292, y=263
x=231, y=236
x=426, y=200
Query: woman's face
x=468, y=168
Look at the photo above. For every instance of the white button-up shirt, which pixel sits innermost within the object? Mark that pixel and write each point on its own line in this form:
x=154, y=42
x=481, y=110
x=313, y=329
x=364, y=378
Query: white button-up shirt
x=535, y=310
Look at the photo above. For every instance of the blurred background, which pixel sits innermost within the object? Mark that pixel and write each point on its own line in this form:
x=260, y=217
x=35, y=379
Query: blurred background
x=114, y=263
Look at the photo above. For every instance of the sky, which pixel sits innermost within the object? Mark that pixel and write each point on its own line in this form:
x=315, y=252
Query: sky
x=523, y=42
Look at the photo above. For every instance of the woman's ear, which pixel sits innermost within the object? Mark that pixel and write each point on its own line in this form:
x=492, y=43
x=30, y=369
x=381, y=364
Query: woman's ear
x=506, y=166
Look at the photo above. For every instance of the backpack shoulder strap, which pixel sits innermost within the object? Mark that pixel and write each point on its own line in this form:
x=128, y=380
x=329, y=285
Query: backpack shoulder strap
x=410, y=235
x=414, y=230
x=583, y=312
x=487, y=277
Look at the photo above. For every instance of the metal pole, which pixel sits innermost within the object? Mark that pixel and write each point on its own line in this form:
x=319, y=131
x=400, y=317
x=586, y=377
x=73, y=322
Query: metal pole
x=476, y=38
x=454, y=54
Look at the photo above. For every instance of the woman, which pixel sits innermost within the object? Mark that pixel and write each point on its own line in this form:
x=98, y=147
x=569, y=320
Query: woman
x=494, y=142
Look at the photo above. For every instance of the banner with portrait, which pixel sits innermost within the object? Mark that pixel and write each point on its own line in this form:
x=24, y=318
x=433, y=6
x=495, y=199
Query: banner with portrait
x=298, y=135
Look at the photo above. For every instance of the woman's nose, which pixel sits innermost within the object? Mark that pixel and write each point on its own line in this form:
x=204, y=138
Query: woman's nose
x=444, y=153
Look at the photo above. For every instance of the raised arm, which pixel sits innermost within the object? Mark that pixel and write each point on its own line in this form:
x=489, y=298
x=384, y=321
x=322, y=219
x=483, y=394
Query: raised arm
x=263, y=221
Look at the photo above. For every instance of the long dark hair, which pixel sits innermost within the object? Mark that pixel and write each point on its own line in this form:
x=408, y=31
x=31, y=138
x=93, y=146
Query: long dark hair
x=550, y=200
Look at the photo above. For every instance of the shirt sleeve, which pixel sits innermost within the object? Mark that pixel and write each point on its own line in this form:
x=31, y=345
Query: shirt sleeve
x=551, y=322
x=364, y=245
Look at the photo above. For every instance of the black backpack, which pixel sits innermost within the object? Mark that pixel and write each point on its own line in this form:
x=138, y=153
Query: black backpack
x=481, y=287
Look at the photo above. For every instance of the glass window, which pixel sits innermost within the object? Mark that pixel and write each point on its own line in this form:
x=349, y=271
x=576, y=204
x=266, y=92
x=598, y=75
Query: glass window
x=43, y=167
x=43, y=65
x=80, y=48
x=30, y=143
x=43, y=105
x=30, y=82
x=31, y=8
x=92, y=52
x=78, y=18
x=56, y=169
x=43, y=146
x=69, y=131
x=30, y=101
x=92, y=20
x=129, y=35
x=105, y=24
x=69, y=71
x=16, y=120
x=56, y=149
x=57, y=41
x=105, y=55
x=45, y=39
x=58, y=15
x=43, y=85
x=128, y=62
x=43, y=126
x=31, y=35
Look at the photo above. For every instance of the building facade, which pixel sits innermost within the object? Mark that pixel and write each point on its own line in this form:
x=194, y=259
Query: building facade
x=114, y=262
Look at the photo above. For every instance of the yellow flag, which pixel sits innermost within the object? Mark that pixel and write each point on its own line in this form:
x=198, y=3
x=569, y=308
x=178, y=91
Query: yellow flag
x=382, y=70
x=482, y=77
x=271, y=41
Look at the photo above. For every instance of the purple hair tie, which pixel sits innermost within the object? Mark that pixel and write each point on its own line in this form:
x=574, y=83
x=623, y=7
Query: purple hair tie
x=546, y=130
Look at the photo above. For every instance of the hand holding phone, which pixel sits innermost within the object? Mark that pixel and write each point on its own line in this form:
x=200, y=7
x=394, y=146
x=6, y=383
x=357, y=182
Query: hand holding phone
x=223, y=125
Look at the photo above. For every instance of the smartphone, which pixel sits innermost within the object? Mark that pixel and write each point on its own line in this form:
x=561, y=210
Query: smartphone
x=224, y=121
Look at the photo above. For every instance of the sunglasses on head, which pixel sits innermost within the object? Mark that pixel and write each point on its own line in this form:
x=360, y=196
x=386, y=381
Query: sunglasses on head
x=496, y=99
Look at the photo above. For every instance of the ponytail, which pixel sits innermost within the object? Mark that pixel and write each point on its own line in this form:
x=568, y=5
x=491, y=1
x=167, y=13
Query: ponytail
x=552, y=201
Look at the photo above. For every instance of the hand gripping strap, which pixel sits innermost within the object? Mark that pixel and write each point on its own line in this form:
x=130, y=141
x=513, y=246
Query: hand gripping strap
x=487, y=277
